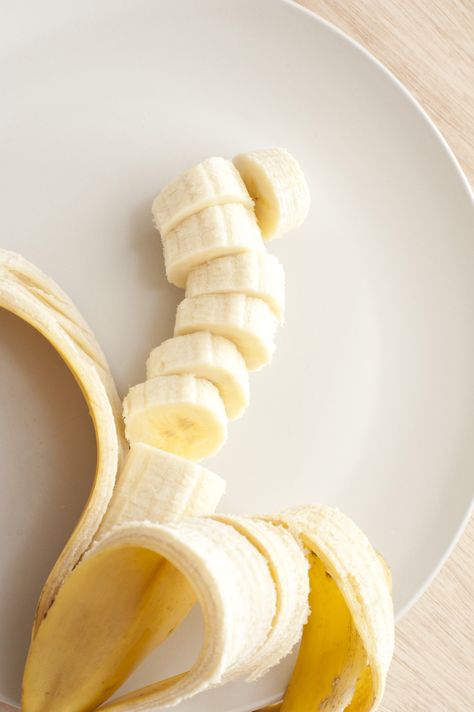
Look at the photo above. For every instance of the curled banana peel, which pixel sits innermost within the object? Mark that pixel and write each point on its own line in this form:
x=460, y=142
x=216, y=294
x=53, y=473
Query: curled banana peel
x=347, y=643
x=127, y=594
x=250, y=578
x=31, y=295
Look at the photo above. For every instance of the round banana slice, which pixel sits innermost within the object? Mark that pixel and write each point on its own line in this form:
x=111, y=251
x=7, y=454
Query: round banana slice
x=277, y=184
x=213, y=232
x=184, y=415
x=246, y=321
x=38, y=300
x=134, y=586
x=206, y=356
x=255, y=274
x=213, y=182
x=352, y=631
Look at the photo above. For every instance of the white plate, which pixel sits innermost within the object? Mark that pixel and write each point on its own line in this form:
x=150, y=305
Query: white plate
x=368, y=404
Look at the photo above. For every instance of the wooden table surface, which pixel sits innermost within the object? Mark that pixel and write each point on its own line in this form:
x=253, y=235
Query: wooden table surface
x=429, y=45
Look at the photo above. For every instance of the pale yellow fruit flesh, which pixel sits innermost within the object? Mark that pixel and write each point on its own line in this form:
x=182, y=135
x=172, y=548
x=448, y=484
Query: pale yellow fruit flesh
x=112, y=610
x=191, y=433
x=261, y=192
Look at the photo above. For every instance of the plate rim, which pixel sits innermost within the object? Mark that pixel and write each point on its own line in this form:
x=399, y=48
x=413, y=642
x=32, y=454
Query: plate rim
x=469, y=190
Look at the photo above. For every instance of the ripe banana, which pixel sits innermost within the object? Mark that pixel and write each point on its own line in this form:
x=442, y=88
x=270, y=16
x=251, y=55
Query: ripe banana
x=215, y=181
x=182, y=414
x=277, y=184
x=255, y=274
x=205, y=355
x=35, y=298
x=213, y=232
x=246, y=321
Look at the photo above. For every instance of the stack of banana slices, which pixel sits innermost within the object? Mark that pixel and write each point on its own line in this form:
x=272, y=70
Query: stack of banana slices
x=214, y=220
x=149, y=545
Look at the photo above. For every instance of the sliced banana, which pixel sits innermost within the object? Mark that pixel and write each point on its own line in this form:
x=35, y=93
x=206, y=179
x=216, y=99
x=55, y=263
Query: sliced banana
x=213, y=232
x=360, y=577
x=278, y=186
x=208, y=356
x=213, y=182
x=255, y=274
x=246, y=321
x=184, y=415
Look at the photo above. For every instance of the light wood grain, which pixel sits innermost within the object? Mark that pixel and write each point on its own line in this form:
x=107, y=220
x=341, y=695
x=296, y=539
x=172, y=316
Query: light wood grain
x=429, y=45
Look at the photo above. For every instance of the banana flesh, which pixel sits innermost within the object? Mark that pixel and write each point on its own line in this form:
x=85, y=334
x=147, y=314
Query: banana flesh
x=255, y=274
x=157, y=486
x=211, y=232
x=181, y=414
x=277, y=184
x=208, y=356
x=215, y=181
x=227, y=229
x=248, y=322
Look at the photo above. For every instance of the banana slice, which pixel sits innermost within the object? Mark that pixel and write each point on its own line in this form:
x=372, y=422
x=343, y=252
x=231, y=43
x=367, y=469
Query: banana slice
x=37, y=299
x=157, y=486
x=206, y=356
x=133, y=586
x=277, y=184
x=246, y=321
x=255, y=274
x=216, y=231
x=184, y=415
x=213, y=182
x=366, y=630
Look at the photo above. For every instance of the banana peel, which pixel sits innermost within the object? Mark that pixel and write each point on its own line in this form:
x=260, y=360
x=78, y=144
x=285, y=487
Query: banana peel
x=348, y=642
x=32, y=296
x=139, y=580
